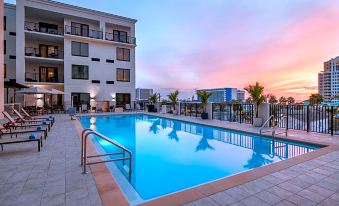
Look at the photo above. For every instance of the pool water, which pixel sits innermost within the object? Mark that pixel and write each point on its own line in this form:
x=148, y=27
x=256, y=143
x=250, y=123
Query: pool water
x=171, y=155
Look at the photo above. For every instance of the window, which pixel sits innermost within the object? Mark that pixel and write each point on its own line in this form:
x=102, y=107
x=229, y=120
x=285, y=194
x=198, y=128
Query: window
x=109, y=60
x=78, y=99
x=122, y=99
x=79, y=49
x=12, y=33
x=79, y=29
x=5, y=23
x=96, y=81
x=80, y=72
x=48, y=74
x=49, y=51
x=123, y=54
x=109, y=82
x=12, y=56
x=48, y=28
x=120, y=36
x=123, y=75
x=95, y=59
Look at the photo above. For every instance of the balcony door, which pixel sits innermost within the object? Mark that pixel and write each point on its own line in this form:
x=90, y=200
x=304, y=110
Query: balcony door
x=79, y=29
x=48, y=74
x=120, y=36
x=48, y=51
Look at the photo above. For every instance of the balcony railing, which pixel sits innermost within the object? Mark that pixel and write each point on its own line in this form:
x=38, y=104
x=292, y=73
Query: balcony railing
x=35, y=52
x=120, y=38
x=36, y=27
x=90, y=33
x=36, y=77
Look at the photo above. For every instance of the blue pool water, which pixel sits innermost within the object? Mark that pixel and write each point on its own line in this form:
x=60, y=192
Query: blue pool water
x=173, y=155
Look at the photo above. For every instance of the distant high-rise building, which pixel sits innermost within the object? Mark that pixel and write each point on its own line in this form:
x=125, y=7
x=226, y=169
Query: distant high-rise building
x=328, y=81
x=143, y=94
x=224, y=94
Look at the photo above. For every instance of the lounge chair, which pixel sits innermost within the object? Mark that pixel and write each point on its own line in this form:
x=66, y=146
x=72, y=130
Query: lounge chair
x=37, y=121
x=9, y=131
x=98, y=108
x=15, y=124
x=30, y=138
x=128, y=107
x=84, y=108
x=28, y=116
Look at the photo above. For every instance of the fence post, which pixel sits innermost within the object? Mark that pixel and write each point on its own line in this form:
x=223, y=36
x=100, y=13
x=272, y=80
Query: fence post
x=308, y=118
x=212, y=109
x=287, y=117
x=240, y=113
x=332, y=120
x=230, y=106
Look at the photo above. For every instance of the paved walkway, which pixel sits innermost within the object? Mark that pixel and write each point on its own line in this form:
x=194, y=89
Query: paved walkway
x=50, y=177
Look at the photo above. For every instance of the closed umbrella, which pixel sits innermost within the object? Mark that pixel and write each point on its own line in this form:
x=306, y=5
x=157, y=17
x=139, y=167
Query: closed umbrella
x=55, y=91
x=34, y=90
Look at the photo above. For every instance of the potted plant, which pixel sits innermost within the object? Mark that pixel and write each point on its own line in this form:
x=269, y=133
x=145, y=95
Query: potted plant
x=204, y=95
x=173, y=97
x=257, y=96
x=153, y=98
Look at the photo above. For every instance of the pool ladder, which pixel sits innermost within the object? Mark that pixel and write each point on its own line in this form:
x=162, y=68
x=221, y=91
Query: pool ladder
x=274, y=128
x=84, y=156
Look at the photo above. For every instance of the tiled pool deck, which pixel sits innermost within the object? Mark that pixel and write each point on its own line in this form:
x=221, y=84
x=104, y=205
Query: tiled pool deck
x=53, y=176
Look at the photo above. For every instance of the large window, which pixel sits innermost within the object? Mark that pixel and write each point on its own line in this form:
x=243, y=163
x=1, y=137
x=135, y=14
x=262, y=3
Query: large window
x=48, y=74
x=122, y=99
x=123, y=54
x=80, y=72
x=123, y=75
x=120, y=36
x=79, y=29
x=79, y=49
x=79, y=99
x=49, y=51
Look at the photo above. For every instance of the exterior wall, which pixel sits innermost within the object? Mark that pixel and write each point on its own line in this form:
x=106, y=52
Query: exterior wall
x=62, y=15
x=1, y=57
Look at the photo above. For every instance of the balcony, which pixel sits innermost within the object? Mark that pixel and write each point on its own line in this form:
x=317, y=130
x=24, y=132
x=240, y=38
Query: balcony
x=51, y=53
x=44, y=28
x=84, y=32
x=38, y=78
x=120, y=38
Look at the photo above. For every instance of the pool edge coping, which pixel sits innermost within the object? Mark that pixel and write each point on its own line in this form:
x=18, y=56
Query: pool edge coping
x=204, y=190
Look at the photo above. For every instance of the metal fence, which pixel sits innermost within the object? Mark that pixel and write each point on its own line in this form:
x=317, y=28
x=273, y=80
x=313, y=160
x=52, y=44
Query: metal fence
x=321, y=119
x=242, y=113
x=192, y=109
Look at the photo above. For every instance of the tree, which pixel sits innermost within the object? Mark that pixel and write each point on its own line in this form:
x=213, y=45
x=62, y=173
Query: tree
x=282, y=100
x=257, y=96
x=204, y=95
x=154, y=98
x=272, y=99
x=249, y=100
x=315, y=99
x=290, y=100
x=173, y=97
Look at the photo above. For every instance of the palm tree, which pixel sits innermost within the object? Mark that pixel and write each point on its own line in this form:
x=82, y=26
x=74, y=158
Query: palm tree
x=154, y=127
x=154, y=98
x=204, y=95
x=173, y=97
x=316, y=99
x=257, y=96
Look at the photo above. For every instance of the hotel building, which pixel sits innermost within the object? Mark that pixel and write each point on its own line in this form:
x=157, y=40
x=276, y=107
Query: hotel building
x=225, y=94
x=87, y=54
x=328, y=81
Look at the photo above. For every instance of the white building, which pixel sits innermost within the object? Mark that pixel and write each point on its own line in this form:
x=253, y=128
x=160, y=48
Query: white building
x=328, y=81
x=1, y=58
x=90, y=55
x=143, y=94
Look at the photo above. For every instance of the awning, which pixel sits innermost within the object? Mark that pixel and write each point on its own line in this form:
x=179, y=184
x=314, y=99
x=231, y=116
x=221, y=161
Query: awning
x=12, y=84
x=34, y=90
x=55, y=91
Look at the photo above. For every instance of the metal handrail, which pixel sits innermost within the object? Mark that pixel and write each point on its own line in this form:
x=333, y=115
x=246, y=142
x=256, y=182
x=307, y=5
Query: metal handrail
x=267, y=121
x=85, y=133
x=274, y=128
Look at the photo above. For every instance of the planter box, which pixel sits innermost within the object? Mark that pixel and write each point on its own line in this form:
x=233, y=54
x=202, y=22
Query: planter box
x=257, y=122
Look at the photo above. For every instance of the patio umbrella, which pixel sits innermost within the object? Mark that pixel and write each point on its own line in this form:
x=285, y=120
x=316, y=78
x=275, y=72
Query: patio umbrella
x=34, y=90
x=55, y=91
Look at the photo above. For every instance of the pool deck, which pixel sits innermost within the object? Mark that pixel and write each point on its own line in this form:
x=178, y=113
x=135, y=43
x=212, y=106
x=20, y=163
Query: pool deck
x=53, y=176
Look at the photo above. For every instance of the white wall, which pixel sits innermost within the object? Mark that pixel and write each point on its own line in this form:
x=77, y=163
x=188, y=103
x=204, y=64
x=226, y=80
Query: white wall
x=10, y=42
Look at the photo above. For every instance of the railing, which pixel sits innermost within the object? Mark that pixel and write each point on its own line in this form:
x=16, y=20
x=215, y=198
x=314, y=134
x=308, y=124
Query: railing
x=119, y=38
x=321, y=119
x=36, y=27
x=78, y=31
x=242, y=113
x=84, y=135
x=35, y=52
x=36, y=77
x=192, y=109
x=274, y=123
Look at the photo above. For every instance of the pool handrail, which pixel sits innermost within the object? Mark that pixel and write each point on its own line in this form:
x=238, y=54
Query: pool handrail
x=85, y=133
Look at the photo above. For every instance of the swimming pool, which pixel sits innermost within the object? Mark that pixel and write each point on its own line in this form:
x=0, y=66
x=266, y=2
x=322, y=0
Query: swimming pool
x=171, y=155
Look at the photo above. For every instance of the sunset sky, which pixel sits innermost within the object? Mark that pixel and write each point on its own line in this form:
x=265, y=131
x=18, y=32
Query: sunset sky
x=191, y=44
